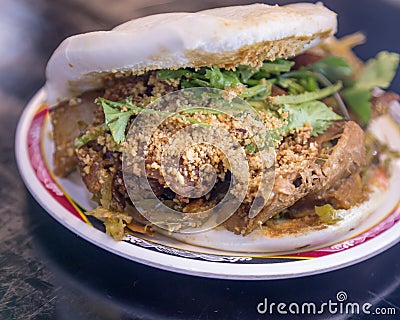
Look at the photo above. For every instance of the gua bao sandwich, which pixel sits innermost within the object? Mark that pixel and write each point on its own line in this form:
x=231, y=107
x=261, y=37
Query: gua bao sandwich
x=313, y=94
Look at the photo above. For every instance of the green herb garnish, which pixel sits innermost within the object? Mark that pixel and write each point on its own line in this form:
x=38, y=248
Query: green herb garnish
x=117, y=115
x=305, y=86
x=306, y=96
x=359, y=101
x=378, y=72
x=333, y=68
x=316, y=113
x=277, y=66
x=90, y=135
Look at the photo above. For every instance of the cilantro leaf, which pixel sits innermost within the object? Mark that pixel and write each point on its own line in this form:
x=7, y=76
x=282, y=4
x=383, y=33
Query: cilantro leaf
x=196, y=83
x=272, y=67
x=90, y=135
x=358, y=101
x=378, y=72
x=315, y=113
x=117, y=120
x=117, y=115
x=258, y=92
x=306, y=96
x=292, y=85
x=221, y=79
x=277, y=66
x=333, y=68
x=251, y=148
x=245, y=72
x=309, y=83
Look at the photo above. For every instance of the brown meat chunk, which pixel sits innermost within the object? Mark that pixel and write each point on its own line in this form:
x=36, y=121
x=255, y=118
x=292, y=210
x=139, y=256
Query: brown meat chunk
x=344, y=194
x=345, y=157
x=307, y=58
x=140, y=88
x=102, y=175
x=342, y=187
x=101, y=168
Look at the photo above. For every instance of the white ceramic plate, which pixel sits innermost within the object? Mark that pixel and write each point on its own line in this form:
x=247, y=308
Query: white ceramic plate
x=253, y=257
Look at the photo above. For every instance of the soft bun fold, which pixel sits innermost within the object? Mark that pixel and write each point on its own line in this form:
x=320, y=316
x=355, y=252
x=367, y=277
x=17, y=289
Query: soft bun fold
x=224, y=37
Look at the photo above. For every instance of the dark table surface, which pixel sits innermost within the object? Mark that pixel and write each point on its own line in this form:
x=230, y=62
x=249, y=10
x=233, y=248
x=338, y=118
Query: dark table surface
x=47, y=272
